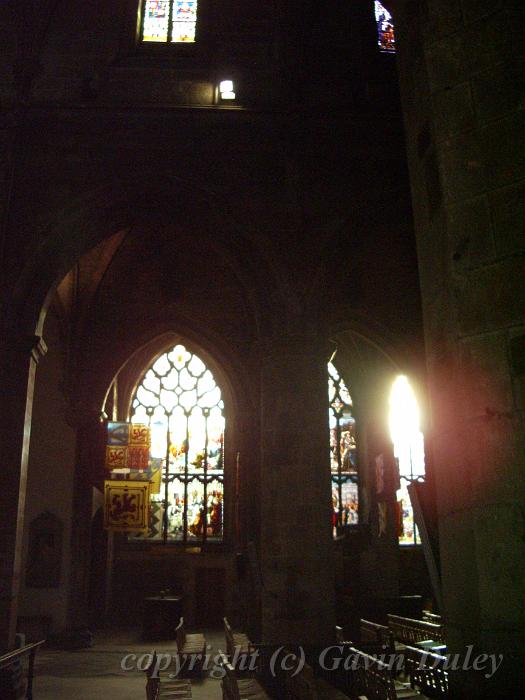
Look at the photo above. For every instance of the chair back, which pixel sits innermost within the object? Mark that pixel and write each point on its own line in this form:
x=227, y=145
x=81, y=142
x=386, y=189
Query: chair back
x=229, y=681
x=152, y=684
x=180, y=635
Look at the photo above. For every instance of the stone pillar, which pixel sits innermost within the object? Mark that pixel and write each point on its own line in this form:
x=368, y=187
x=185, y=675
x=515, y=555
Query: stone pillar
x=296, y=547
x=461, y=76
x=17, y=378
x=89, y=472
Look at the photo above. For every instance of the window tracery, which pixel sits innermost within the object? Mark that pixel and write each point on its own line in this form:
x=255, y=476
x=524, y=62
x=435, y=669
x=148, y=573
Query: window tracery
x=181, y=403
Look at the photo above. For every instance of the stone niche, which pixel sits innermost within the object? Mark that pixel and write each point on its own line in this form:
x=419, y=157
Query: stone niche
x=44, y=559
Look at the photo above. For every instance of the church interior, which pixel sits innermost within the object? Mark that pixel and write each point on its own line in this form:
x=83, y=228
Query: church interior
x=262, y=344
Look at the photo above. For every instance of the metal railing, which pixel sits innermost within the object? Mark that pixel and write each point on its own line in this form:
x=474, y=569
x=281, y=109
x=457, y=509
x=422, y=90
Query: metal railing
x=12, y=657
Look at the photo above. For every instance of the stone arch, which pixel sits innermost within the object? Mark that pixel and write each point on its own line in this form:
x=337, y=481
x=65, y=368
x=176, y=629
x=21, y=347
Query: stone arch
x=119, y=206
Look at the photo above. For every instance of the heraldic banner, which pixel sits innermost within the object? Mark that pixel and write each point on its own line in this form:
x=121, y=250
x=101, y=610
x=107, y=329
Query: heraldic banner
x=128, y=446
x=126, y=506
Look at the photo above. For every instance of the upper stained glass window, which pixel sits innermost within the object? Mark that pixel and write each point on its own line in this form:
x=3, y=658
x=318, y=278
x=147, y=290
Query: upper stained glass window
x=385, y=28
x=169, y=21
x=343, y=452
x=181, y=402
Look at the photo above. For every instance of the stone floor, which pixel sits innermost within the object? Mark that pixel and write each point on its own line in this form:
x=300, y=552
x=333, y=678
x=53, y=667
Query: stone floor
x=90, y=674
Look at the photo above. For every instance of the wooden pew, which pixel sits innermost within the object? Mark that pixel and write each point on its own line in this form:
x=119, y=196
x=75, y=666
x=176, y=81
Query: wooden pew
x=164, y=689
x=235, y=688
x=413, y=632
x=427, y=672
x=191, y=649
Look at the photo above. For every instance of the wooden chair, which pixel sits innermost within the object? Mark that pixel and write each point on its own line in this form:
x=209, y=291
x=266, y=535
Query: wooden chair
x=432, y=617
x=166, y=689
x=191, y=649
x=339, y=635
x=373, y=679
x=376, y=638
x=234, y=688
x=413, y=632
x=427, y=672
x=236, y=642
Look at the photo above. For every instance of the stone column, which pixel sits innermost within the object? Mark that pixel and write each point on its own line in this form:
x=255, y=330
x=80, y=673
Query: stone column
x=17, y=378
x=461, y=76
x=296, y=548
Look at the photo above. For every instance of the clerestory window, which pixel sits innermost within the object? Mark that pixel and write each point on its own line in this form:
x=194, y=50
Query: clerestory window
x=169, y=21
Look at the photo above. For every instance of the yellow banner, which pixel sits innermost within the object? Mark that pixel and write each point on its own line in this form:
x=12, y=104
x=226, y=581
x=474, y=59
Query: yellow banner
x=126, y=505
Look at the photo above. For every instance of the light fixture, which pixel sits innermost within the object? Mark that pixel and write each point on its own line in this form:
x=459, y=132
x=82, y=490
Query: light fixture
x=226, y=90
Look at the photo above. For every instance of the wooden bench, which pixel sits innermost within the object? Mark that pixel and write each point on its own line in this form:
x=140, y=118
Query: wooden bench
x=373, y=679
x=191, y=649
x=413, y=632
x=235, y=688
x=236, y=642
x=427, y=672
x=162, y=689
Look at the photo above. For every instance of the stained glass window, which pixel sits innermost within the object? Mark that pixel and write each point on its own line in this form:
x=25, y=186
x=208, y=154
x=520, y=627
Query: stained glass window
x=343, y=453
x=385, y=28
x=408, y=450
x=169, y=21
x=181, y=402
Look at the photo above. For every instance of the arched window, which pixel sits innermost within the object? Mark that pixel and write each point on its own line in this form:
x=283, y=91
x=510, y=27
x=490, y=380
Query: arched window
x=169, y=21
x=385, y=29
x=181, y=402
x=408, y=450
x=343, y=453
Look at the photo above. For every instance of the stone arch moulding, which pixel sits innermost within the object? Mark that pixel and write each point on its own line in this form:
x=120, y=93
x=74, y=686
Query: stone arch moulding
x=118, y=206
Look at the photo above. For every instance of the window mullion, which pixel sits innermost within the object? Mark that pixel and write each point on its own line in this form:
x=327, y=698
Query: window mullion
x=166, y=480
x=186, y=457
x=170, y=21
x=206, y=413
